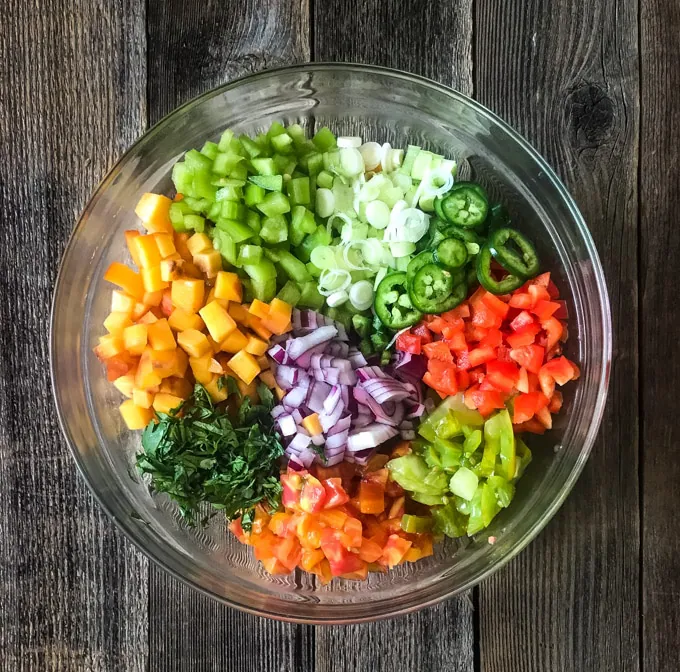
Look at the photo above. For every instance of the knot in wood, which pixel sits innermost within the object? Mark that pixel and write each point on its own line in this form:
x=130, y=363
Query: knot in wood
x=590, y=115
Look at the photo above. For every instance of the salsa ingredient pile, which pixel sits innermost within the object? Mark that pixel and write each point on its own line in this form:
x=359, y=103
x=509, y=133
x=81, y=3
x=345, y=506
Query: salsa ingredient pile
x=336, y=344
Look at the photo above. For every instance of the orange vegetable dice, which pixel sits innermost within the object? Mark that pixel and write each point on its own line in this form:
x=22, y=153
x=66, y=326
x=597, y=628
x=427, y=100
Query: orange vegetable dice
x=244, y=365
x=166, y=244
x=312, y=425
x=171, y=269
x=238, y=312
x=228, y=286
x=198, y=243
x=194, y=343
x=255, y=323
x=154, y=211
x=116, y=322
x=130, y=235
x=216, y=394
x=180, y=320
x=142, y=398
x=280, y=394
x=123, y=276
x=216, y=347
x=135, y=417
x=259, y=309
x=125, y=384
x=218, y=321
x=153, y=299
x=161, y=336
x=200, y=366
x=146, y=251
x=164, y=402
x=256, y=346
x=109, y=346
x=188, y=294
x=135, y=338
x=122, y=302
x=236, y=341
x=153, y=282
x=209, y=262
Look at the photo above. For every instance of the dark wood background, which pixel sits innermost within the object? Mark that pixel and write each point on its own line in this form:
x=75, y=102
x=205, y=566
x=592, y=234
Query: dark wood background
x=593, y=84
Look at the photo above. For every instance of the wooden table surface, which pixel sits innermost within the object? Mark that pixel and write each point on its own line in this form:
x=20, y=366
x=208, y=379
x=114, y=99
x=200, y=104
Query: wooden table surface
x=593, y=84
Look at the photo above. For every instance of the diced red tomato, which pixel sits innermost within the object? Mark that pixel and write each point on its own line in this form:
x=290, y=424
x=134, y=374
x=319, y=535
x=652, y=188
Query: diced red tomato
x=524, y=319
x=542, y=280
x=394, y=551
x=485, y=401
x=237, y=530
x=527, y=405
x=370, y=551
x=474, y=334
x=463, y=379
x=310, y=558
x=481, y=356
x=525, y=336
x=407, y=342
x=441, y=376
x=292, y=485
x=523, y=381
x=398, y=508
x=335, y=493
x=485, y=317
x=288, y=552
x=561, y=370
x=436, y=324
x=503, y=354
x=313, y=495
x=333, y=518
x=529, y=356
x=423, y=332
x=453, y=325
x=438, y=351
x=538, y=293
x=371, y=497
x=545, y=309
x=280, y=524
x=352, y=532
x=273, y=566
x=553, y=329
x=502, y=375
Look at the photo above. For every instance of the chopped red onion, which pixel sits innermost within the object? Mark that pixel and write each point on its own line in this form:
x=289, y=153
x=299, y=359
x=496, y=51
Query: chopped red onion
x=316, y=395
x=369, y=437
x=278, y=354
x=341, y=425
x=277, y=411
x=287, y=425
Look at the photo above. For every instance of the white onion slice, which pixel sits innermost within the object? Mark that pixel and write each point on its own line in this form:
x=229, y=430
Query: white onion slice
x=371, y=153
x=349, y=141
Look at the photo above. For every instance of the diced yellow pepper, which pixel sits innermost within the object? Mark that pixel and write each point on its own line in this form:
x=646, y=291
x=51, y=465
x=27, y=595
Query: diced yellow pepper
x=214, y=391
x=228, y=286
x=135, y=417
x=194, y=343
x=209, y=262
x=216, y=367
x=123, y=276
x=280, y=394
x=116, y=322
x=109, y=346
x=256, y=346
x=216, y=347
x=312, y=425
x=198, y=243
x=153, y=282
x=135, y=338
x=258, y=308
x=154, y=211
x=142, y=398
x=200, y=367
x=245, y=366
x=188, y=294
x=161, y=336
x=267, y=377
x=239, y=313
x=121, y=302
x=166, y=244
x=153, y=298
x=164, y=402
x=180, y=320
x=236, y=341
x=130, y=235
x=218, y=321
x=125, y=384
x=146, y=250
x=171, y=269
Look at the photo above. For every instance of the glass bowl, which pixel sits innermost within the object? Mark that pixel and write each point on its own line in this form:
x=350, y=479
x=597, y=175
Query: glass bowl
x=377, y=104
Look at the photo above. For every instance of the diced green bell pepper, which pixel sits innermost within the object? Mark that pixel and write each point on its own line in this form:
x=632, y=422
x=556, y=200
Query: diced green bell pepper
x=290, y=293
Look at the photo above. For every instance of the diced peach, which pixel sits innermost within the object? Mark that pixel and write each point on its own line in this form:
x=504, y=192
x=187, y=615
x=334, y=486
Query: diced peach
x=122, y=302
x=256, y=346
x=109, y=346
x=135, y=417
x=259, y=309
x=236, y=341
x=161, y=336
x=238, y=312
x=245, y=366
x=198, y=243
x=166, y=244
x=147, y=318
x=142, y=398
x=248, y=390
x=120, y=365
x=180, y=387
x=188, y=294
x=211, y=297
x=277, y=323
x=218, y=321
x=153, y=282
x=180, y=320
x=146, y=250
x=146, y=377
x=193, y=342
x=280, y=394
x=168, y=363
x=134, y=338
x=130, y=235
x=123, y=276
x=153, y=210
x=312, y=425
x=255, y=323
x=209, y=262
x=213, y=388
x=228, y=286
x=216, y=367
x=216, y=347
x=267, y=377
x=182, y=247
x=263, y=362
x=164, y=402
x=153, y=298
x=200, y=367
x=171, y=269
x=139, y=311
x=116, y=322
x=125, y=384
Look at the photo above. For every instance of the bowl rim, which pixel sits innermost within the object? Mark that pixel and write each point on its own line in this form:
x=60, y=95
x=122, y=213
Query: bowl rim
x=605, y=310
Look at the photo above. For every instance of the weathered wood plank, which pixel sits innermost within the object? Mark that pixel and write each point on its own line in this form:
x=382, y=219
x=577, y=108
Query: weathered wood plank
x=193, y=47
x=72, y=98
x=400, y=34
x=565, y=75
x=660, y=242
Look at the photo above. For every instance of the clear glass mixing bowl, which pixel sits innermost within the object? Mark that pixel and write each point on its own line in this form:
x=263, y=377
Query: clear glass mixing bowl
x=377, y=104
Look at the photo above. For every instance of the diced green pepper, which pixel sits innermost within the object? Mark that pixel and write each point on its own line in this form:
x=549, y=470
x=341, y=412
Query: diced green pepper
x=416, y=524
x=293, y=267
x=274, y=229
x=324, y=140
x=238, y=231
x=449, y=521
x=290, y=293
x=310, y=297
x=274, y=203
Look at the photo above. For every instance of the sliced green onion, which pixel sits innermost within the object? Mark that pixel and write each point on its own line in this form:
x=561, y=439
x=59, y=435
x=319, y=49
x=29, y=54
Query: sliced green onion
x=386, y=158
x=402, y=249
x=323, y=257
x=346, y=141
x=325, y=202
x=331, y=220
x=408, y=225
x=378, y=214
x=379, y=278
x=351, y=161
x=361, y=295
x=337, y=298
x=334, y=280
x=357, y=264
x=371, y=153
x=373, y=251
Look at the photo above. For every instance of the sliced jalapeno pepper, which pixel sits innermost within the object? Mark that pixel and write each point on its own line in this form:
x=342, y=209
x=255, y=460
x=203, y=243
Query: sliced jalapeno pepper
x=508, y=284
x=392, y=302
x=524, y=263
x=451, y=253
x=417, y=263
x=433, y=290
x=465, y=205
x=466, y=235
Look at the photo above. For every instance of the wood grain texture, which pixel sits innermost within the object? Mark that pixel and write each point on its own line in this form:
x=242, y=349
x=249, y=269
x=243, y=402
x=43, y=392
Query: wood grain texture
x=565, y=75
x=72, y=98
x=194, y=46
x=398, y=34
x=660, y=312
